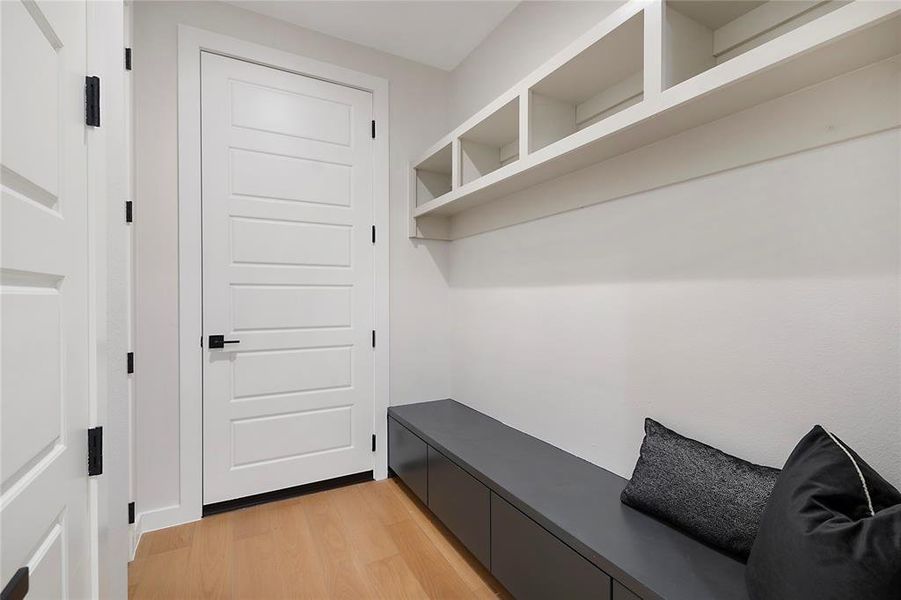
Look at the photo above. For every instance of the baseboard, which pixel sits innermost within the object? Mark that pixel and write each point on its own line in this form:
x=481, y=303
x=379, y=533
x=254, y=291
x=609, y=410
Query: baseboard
x=161, y=518
x=134, y=532
x=299, y=490
x=170, y=516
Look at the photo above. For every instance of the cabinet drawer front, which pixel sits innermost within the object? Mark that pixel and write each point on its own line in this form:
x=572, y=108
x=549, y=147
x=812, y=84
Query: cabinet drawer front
x=408, y=457
x=462, y=503
x=534, y=565
x=621, y=592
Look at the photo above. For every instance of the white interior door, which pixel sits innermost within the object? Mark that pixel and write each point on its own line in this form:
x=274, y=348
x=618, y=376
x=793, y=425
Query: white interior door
x=287, y=275
x=44, y=307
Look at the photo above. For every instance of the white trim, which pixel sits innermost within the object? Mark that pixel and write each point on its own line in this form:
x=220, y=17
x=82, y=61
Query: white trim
x=106, y=192
x=136, y=533
x=863, y=482
x=129, y=159
x=191, y=41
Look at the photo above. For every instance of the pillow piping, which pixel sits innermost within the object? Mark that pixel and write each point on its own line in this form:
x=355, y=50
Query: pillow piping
x=863, y=482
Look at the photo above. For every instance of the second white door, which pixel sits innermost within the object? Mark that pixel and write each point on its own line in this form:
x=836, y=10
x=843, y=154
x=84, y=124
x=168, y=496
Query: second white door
x=287, y=277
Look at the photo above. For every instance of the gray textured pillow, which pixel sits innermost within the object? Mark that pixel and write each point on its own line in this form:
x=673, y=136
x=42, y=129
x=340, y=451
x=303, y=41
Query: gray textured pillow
x=710, y=495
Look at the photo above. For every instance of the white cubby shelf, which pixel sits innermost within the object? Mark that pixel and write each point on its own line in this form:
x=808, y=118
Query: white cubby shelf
x=650, y=70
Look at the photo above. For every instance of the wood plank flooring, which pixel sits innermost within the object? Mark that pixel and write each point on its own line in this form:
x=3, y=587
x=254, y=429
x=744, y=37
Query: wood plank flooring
x=370, y=540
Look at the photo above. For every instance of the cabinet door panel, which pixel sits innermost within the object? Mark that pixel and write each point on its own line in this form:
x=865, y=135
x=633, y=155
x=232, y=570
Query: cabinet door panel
x=534, y=565
x=408, y=458
x=621, y=592
x=462, y=503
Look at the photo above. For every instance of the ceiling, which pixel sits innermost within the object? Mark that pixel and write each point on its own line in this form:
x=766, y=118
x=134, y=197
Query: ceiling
x=439, y=33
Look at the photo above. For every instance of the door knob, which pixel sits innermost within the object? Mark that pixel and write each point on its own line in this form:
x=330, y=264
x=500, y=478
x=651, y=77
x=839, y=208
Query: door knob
x=219, y=341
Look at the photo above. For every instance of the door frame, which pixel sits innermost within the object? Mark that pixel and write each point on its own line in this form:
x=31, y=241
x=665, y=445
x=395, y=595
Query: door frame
x=191, y=42
x=108, y=273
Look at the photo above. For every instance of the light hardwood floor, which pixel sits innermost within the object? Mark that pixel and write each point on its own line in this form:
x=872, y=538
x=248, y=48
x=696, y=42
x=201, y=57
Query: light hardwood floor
x=370, y=540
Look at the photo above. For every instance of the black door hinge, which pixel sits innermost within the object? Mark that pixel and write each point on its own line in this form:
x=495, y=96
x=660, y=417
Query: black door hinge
x=128, y=59
x=17, y=587
x=129, y=212
x=92, y=100
x=131, y=513
x=373, y=130
x=373, y=234
x=131, y=363
x=95, y=451
x=373, y=338
x=373, y=442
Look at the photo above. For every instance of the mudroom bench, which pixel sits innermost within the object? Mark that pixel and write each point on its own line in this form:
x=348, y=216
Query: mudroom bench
x=546, y=523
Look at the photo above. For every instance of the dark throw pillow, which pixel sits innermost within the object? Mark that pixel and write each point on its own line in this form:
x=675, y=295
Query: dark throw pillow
x=708, y=494
x=832, y=529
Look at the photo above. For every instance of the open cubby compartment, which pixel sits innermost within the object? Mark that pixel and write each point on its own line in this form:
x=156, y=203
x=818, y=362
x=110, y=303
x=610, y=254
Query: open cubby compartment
x=433, y=176
x=491, y=144
x=598, y=82
x=700, y=34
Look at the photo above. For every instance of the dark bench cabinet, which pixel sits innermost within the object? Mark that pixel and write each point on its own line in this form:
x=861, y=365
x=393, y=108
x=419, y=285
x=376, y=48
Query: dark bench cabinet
x=547, y=524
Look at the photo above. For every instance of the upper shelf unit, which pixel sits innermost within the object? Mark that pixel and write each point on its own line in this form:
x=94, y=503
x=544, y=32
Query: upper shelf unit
x=601, y=80
x=433, y=176
x=491, y=144
x=652, y=69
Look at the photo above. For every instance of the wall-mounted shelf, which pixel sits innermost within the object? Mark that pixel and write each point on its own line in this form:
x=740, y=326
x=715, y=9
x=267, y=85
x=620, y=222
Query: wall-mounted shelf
x=652, y=69
x=601, y=80
x=491, y=144
x=433, y=176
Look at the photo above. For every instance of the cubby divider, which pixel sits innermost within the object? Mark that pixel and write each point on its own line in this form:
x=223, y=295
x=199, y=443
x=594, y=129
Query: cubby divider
x=491, y=144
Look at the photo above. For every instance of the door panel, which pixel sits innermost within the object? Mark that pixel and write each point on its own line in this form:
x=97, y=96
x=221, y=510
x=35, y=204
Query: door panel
x=48, y=577
x=287, y=271
x=291, y=113
x=44, y=309
x=35, y=163
x=290, y=307
x=264, y=242
x=259, y=439
x=31, y=326
x=286, y=178
x=290, y=371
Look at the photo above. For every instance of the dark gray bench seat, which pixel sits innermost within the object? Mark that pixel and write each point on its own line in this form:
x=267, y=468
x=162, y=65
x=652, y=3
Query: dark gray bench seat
x=483, y=478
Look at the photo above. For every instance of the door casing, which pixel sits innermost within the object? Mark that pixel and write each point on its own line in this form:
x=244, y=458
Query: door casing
x=191, y=41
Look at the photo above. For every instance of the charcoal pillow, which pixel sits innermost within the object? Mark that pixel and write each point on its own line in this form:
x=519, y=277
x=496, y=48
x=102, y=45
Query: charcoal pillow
x=708, y=494
x=831, y=530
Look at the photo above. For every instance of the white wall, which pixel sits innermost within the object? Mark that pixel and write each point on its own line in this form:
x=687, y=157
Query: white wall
x=418, y=288
x=739, y=308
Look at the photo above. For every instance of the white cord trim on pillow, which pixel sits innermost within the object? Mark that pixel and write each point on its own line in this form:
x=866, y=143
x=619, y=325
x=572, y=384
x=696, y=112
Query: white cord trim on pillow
x=863, y=482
